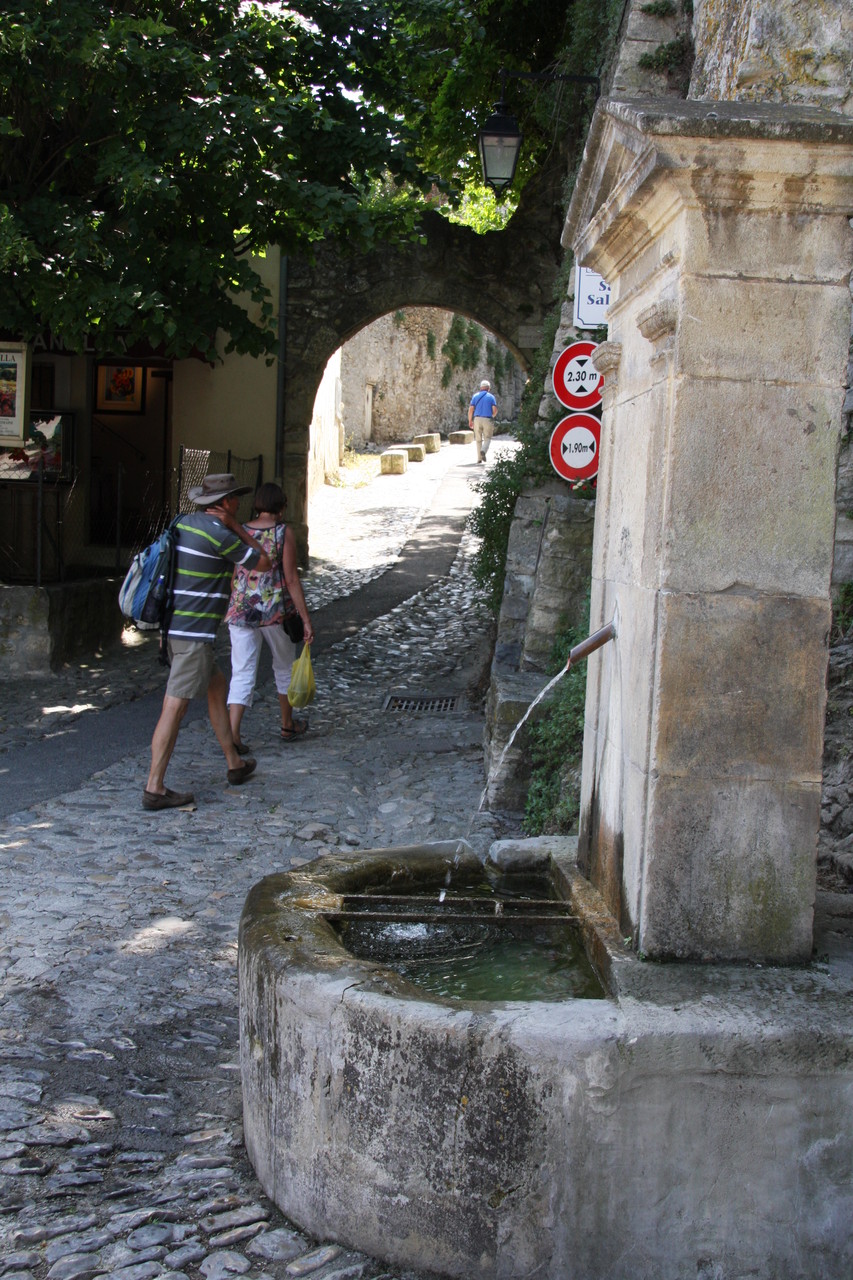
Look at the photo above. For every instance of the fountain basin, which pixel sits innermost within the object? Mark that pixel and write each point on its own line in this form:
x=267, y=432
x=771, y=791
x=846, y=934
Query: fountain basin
x=685, y=1122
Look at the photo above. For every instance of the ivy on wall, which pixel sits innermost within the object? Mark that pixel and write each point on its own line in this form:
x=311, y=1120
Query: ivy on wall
x=461, y=349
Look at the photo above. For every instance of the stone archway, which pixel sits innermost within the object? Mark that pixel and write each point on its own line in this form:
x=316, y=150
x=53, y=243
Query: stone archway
x=505, y=280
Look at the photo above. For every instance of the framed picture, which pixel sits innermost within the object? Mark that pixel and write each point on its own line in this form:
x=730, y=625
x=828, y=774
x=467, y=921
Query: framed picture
x=120, y=388
x=14, y=392
x=49, y=442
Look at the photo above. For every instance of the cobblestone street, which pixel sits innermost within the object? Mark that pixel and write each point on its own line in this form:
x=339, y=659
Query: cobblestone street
x=120, y=1115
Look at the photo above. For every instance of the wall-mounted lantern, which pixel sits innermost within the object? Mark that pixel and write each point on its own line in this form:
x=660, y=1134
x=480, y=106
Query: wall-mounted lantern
x=499, y=140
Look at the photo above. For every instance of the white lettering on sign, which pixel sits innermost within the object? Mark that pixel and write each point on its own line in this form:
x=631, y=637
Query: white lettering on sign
x=592, y=298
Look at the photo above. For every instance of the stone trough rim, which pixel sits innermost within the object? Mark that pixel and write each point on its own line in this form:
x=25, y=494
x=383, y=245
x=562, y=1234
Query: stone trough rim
x=284, y=916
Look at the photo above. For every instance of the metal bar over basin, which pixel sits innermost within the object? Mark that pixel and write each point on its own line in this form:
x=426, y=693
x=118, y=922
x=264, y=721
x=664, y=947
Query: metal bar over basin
x=400, y=908
x=444, y=917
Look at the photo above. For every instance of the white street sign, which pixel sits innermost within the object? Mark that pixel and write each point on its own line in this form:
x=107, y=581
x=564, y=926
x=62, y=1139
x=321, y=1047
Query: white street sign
x=592, y=298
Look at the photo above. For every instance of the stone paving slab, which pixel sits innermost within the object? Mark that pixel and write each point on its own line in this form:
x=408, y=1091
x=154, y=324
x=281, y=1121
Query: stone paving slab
x=120, y=1116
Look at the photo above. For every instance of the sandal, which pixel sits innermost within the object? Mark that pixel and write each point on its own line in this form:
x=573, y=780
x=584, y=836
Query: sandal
x=298, y=728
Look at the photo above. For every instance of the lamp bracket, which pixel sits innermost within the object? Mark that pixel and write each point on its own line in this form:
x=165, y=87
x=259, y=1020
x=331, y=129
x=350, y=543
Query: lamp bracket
x=546, y=75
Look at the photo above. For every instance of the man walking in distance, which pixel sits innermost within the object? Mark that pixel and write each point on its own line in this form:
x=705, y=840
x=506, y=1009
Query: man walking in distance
x=209, y=544
x=482, y=412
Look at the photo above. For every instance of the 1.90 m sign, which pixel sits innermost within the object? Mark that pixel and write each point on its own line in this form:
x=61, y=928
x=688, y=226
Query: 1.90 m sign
x=574, y=447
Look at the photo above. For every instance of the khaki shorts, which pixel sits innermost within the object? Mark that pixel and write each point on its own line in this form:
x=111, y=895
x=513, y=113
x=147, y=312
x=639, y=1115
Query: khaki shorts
x=192, y=667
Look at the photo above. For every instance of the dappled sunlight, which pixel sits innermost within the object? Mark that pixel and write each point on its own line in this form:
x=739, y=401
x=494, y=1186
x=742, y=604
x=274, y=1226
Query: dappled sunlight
x=21, y=832
x=157, y=935
x=74, y=710
x=132, y=638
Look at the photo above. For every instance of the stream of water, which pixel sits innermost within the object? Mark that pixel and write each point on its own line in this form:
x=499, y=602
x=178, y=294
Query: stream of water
x=540, y=695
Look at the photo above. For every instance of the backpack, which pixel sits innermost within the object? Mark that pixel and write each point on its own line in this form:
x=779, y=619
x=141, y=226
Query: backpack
x=146, y=592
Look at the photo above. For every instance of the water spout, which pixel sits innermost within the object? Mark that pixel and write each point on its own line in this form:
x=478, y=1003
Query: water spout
x=593, y=642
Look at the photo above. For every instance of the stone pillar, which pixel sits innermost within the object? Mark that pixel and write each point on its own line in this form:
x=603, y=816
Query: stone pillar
x=723, y=231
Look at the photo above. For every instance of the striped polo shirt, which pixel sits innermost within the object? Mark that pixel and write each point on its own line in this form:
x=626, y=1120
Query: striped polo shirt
x=206, y=555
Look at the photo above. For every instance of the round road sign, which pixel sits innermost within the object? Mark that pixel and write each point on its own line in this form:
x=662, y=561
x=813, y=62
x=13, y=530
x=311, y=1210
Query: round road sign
x=577, y=383
x=574, y=446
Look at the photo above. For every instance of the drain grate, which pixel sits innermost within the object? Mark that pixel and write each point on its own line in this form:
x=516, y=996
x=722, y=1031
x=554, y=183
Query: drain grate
x=421, y=702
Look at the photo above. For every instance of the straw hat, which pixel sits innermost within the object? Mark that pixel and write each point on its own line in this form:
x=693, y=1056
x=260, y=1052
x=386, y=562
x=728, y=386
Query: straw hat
x=214, y=488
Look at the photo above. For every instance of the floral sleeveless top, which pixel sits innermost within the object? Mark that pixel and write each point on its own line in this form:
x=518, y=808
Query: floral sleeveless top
x=256, y=597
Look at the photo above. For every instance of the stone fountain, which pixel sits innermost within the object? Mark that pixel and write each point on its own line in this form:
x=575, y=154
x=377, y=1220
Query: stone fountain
x=698, y=1120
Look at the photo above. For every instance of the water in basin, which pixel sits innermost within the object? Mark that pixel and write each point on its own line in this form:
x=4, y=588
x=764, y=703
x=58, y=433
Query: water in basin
x=487, y=938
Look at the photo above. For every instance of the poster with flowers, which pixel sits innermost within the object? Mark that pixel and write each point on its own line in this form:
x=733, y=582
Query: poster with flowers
x=14, y=388
x=120, y=388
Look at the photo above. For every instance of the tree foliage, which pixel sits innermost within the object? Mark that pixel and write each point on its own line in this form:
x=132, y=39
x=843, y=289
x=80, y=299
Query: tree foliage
x=149, y=148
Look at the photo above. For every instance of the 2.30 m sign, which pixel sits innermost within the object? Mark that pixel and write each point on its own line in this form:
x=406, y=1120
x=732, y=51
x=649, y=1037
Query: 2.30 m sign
x=576, y=381
x=574, y=447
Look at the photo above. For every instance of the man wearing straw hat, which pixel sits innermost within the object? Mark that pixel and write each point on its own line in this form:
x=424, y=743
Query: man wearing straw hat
x=209, y=543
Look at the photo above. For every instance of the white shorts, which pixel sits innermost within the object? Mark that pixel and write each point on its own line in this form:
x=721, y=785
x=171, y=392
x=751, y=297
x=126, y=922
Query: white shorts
x=245, y=653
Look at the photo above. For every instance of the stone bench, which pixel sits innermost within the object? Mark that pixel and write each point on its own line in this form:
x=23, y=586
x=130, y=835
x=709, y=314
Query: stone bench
x=416, y=452
x=461, y=437
x=393, y=462
x=431, y=442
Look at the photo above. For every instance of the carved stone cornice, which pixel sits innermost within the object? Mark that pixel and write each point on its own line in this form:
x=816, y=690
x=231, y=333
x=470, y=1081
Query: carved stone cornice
x=658, y=320
x=646, y=160
x=606, y=357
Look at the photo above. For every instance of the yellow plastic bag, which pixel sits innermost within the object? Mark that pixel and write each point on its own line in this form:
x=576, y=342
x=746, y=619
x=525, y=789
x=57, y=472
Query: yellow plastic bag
x=302, y=686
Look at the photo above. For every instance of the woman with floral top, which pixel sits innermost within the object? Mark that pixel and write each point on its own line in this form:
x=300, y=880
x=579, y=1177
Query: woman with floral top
x=255, y=615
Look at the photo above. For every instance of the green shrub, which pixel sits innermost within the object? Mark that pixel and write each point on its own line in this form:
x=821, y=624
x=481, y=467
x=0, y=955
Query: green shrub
x=842, y=612
x=461, y=349
x=490, y=521
x=556, y=748
x=673, y=59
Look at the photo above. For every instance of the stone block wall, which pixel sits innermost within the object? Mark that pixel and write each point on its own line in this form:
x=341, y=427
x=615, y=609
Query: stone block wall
x=546, y=586
x=774, y=51
x=784, y=51
x=42, y=627
x=399, y=357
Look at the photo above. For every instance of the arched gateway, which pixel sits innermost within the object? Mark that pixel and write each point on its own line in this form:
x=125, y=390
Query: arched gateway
x=504, y=280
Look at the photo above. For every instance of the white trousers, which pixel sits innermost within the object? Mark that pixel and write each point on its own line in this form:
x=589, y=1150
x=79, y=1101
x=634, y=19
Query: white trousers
x=245, y=653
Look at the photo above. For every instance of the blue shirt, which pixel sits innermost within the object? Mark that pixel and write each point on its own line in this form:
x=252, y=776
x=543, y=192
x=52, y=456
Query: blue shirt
x=483, y=402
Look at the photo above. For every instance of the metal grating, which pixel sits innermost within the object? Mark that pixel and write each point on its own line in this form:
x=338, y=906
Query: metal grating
x=421, y=702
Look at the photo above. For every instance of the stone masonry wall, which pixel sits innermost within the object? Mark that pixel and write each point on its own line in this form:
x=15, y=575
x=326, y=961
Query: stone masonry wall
x=797, y=51
x=400, y=357
x=548, y=566
x=385, y=386
x=774, y=51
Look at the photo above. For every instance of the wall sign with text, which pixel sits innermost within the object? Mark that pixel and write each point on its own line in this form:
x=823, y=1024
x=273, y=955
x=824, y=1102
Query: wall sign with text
x=592, y=298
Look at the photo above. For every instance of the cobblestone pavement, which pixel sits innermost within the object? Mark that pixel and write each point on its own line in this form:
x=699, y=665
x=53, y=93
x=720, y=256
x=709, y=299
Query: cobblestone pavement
x=120, y=1116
